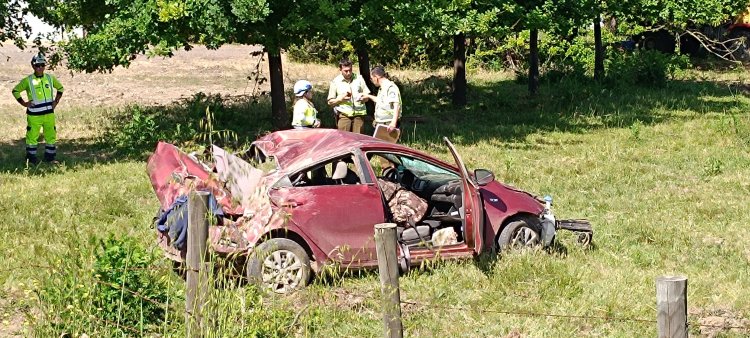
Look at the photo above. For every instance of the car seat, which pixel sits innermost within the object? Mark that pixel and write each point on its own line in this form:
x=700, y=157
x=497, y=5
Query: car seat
x=447, y=200
x=343, y=175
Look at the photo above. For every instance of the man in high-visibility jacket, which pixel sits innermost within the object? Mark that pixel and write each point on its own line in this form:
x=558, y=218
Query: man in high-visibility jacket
x=40, y=109
x=347, y=95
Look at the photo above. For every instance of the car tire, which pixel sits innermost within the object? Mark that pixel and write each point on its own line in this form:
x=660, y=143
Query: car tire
x=519, y=234
x=280, y=265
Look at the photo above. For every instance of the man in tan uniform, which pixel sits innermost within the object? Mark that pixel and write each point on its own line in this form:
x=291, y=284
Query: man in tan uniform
x=347, y=96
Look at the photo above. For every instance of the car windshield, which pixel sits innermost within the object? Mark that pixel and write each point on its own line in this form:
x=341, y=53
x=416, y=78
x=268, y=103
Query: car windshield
x=422, y=168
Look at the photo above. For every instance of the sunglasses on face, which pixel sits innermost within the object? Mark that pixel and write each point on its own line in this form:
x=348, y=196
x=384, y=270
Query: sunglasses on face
x=40, y=66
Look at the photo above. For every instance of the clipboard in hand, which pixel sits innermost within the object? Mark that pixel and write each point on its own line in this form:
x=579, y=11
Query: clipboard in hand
x=381, y=132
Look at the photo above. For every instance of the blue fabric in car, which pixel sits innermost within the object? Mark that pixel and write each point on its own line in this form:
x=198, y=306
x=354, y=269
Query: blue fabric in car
x=174, y=221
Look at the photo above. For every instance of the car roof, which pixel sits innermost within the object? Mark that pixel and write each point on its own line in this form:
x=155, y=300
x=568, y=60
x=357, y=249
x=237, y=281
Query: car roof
x=296, y=148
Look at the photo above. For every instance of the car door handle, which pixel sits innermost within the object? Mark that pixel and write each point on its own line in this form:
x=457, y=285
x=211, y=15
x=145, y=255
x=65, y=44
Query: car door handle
x=291, y=204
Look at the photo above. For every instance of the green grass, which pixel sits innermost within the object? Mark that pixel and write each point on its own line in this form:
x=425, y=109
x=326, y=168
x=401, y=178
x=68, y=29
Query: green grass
x=662, y=173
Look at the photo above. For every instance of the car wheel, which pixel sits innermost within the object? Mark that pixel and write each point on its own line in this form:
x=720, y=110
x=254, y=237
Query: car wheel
x=519, y=234
x=280, y=265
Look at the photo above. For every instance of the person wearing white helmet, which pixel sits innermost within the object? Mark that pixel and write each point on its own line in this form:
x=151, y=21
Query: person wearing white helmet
x=304, y=114
x=40, y=109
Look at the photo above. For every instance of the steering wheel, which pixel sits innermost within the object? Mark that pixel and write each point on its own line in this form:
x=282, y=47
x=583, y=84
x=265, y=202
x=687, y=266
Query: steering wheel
x=390, y=174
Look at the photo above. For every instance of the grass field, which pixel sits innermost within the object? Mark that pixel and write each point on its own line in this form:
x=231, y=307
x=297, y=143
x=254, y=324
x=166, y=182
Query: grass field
x=662, y=173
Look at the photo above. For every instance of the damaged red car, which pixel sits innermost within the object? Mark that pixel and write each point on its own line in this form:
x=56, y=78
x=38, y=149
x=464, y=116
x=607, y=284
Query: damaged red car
x=299, y=200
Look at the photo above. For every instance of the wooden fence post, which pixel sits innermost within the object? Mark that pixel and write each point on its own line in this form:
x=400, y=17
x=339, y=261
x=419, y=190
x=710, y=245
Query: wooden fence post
x=385, y=241
x=671, y=307
x=197, y=267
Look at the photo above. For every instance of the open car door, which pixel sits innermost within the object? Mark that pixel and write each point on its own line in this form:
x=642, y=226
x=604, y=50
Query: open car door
x=472, y=204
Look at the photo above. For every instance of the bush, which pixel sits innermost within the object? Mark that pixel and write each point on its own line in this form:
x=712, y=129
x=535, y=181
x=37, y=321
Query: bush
x=139, y=132
x=644, y=67
x=190, y=124
x=321, y=51
x=125, y=289
x=120, y=295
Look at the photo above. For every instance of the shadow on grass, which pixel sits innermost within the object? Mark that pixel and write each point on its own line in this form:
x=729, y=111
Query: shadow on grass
x=134, y=131
x=498, y=112
x=504, y=111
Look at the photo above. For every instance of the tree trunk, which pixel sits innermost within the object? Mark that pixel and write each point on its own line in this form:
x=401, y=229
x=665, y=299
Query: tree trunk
x=598, y=51
x=459, y=69
x=534, y=61
x=280, y=118
x=363, y=61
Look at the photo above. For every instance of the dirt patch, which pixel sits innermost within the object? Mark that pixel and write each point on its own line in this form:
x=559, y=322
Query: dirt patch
x=146, y=81
x=714, y=322
x=12, y=320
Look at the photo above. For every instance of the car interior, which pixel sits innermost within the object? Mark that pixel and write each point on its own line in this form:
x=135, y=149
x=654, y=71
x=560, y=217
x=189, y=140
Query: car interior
x=443, y=222
x=339, y=171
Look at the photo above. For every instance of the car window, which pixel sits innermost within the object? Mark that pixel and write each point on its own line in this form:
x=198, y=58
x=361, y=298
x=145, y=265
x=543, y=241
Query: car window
x=383, y=163
x=339, y=171
x=419, y=167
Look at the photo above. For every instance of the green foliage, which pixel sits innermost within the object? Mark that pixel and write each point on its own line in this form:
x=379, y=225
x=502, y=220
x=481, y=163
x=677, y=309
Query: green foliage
x=195, y=123
x=248, y=312
x=321, y=51
x=13, y=25
x=139, y=131
x=675, y=14
x=644, y=67
x=636, y=130
x=250, y=11
x=119, y=295
x=125, y=288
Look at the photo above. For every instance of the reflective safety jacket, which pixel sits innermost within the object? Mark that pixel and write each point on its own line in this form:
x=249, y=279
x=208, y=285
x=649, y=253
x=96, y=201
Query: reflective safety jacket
x=304, y=114
x=357, y=87
x=387, y=96
x=39, y=91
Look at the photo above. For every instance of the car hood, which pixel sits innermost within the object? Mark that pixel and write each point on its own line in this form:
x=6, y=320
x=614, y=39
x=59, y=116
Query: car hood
x=510, y=200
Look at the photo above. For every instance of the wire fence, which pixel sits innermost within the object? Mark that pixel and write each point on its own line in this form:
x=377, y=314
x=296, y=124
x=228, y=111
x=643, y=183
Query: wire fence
x=376, y=297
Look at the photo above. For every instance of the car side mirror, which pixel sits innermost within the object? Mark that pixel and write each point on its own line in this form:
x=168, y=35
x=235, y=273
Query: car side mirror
x=483, y=176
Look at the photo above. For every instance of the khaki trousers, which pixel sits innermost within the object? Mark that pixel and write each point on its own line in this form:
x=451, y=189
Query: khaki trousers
x=353, y=124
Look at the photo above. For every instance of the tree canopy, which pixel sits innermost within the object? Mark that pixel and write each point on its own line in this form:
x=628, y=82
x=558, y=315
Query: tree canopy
x=116, y=31
x=13, y=26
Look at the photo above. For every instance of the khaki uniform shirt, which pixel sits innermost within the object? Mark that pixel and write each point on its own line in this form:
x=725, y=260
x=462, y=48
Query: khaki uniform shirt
x=339, y=87
x=387, y=96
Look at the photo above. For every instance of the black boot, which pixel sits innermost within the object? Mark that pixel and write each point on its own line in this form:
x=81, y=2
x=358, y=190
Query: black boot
x=50, y=158
x=31, y=155
x=50, y=151
x=32, y=158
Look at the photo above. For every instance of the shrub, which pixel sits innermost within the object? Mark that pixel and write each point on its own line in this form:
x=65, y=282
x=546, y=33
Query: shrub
x=320, y=51
x=124, y=286
x=644, y=67
x=139, y=132
x=118, y=294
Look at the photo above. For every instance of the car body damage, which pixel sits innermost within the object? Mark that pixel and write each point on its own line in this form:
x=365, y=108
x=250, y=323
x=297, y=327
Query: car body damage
x=323, y=192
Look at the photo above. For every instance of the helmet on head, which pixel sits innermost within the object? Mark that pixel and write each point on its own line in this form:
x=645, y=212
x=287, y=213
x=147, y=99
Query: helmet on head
x=38, y=59
x=301, y=87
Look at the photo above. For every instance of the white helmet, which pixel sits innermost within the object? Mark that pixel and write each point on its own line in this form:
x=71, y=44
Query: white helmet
x=301, y=87
x=38, y=59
